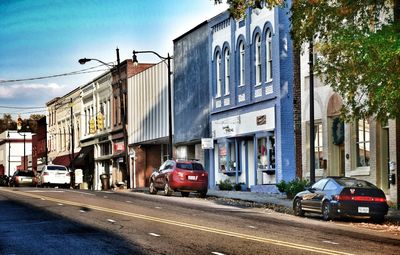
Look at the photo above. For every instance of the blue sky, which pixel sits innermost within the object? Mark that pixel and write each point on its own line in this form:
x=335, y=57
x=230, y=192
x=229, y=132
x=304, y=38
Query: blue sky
x=47, y=37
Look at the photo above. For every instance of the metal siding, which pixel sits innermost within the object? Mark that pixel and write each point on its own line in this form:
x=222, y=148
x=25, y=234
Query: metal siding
x=148, y=104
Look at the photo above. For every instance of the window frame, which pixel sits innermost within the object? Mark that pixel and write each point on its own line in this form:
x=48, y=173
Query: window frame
x=268, y=56
x=227, y=69
x=257, y=59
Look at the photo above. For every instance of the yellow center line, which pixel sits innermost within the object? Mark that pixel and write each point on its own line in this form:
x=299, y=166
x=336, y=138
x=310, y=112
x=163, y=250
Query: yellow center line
x=185, y=225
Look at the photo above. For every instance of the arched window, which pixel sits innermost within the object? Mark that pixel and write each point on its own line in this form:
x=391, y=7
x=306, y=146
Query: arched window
x=218, y=76
x=257, y=60
x=268, y=57
x=241, y=63
x=227, y=71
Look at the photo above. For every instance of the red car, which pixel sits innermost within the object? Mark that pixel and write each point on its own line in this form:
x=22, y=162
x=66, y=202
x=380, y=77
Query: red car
x=23, y=178
x=177, y=175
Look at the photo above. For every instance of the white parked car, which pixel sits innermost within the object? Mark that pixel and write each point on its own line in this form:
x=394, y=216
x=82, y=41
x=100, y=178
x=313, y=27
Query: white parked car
x=54, y=175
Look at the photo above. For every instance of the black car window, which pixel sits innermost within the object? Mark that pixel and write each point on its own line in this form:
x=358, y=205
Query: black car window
x=57, y=168
x=347, y=182
x=185, y=166
x=319, y=185
x=330, y=186
x=198, y=166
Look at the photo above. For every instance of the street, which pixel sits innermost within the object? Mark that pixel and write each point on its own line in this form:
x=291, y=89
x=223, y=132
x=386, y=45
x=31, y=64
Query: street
x=60, y=221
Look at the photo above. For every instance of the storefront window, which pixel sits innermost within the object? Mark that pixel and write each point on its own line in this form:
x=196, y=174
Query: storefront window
x=222, y=157
x=266, y=153
x=362, y=143
x=318, y=143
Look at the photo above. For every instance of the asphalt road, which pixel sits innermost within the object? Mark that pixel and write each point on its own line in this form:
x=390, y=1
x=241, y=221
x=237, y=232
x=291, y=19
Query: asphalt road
x=57, y=221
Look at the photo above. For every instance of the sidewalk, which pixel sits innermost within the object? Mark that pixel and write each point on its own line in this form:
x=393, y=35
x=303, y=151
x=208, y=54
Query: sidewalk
x=279, y=200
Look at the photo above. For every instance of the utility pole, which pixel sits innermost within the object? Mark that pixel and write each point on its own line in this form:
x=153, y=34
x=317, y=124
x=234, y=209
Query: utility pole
x=72, y=136
x=312, y=131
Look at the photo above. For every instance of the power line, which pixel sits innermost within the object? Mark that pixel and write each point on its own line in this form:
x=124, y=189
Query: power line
x=83, y=71
x=22, y=107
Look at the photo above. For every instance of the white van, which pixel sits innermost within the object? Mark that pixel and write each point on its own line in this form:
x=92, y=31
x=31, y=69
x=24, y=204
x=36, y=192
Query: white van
x=54, y=175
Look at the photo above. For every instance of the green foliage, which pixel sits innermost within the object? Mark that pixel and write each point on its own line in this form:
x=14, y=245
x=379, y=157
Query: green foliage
x=225, y=185
x=292, y=187
x=238, y=186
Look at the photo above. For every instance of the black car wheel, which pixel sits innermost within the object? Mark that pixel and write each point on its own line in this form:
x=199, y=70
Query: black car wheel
x=327, y=211
x=203, y=193
x=167, y=190
x=152, y=189
x=298, y=211
x=185, y=194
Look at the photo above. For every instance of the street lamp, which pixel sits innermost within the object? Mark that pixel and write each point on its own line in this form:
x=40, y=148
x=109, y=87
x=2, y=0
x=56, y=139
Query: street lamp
x=168, y=58
x=82, y=61
x=19, y=128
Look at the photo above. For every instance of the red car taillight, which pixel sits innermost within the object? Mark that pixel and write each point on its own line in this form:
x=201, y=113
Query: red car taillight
x=359, y=198
x=16, y=179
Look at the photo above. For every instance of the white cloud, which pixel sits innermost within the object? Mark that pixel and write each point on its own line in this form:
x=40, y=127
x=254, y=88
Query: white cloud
x=32, y=90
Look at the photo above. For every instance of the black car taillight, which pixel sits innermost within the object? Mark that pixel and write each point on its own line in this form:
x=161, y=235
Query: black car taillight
x=359, y=198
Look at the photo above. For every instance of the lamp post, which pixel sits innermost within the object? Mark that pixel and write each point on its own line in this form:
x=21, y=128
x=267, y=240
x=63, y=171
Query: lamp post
x=312, y=128
x=9, y=152
x=19, y=128
x=121, y=98
x=168, y=58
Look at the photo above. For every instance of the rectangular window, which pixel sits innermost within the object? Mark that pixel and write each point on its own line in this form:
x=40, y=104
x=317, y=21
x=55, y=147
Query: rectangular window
x=219, y=79
x=266, y=153
x=258, y=60
x=318, y=143
x=222, y=157
x=227, y=72
x=362, y=143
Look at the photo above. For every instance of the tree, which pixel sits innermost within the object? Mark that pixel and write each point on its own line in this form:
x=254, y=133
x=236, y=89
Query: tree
x=359, y=45
x=7, y=123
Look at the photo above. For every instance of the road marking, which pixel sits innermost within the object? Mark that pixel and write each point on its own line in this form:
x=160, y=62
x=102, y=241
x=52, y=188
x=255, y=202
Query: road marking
x=45, y=191
x=252, y=227
x=128, y=201
x=81, y=192
x=105, y=197
x=82, y=211
x=42, y=198
x=110, y=220
x=217, y=253
x=108, y=192
x=154, y=234
x=157, y=207
x=60, y=204
x=330, y=242
x=186, y=225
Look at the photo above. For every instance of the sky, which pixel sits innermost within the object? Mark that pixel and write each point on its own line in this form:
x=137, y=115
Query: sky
x=41, y=38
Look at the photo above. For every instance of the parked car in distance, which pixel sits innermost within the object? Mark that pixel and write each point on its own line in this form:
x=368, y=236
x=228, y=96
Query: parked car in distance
x=334, y=197
x=179, y=175
x=54, y=175
x=23, y=178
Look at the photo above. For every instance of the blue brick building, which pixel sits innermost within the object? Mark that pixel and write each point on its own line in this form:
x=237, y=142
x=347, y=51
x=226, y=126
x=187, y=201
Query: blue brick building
x=191, y=94
x=251, y=101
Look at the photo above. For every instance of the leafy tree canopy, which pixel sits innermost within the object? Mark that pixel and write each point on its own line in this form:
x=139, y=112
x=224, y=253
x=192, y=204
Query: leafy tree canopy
x=359, y=47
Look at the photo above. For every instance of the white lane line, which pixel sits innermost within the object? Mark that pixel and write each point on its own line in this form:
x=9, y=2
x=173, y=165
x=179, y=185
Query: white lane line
x=217, y=253
x=154, y=234
x=108, y=192
x=252, y=227
x=110, y=220
x=81, y=192
x=42, y=198
x=157, y=207
x=128, y=201
x=45, y=191
x=82, y=211
x=60, y=204
x=105, y=197
x=330, y=242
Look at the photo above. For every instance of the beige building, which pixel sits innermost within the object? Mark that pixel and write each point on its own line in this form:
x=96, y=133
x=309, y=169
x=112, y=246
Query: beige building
x=364, y=149
x=63, y=139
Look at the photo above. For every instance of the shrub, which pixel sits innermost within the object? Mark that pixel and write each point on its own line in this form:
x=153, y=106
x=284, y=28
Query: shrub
x=238, y=186
x=282, y=186
x=292, y=187
x=225, y=185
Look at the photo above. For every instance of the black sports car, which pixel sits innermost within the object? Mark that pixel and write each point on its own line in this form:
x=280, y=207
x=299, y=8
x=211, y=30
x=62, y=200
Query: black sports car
x=342, y=196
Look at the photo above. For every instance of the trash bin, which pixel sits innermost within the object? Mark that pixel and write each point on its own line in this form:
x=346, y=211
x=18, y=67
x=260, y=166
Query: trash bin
x=105, y=181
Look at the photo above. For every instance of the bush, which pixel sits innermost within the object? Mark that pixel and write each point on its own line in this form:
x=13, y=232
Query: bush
x=225, y=185
x=292, y=187
x=238, y=186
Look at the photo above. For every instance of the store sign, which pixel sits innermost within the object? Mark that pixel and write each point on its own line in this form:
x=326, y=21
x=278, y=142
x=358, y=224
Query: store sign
x=207, y=143
x=119, y=146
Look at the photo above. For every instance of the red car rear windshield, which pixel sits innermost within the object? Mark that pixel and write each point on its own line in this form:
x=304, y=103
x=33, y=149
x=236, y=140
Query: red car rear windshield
x=190, y=166
x=56, y=168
